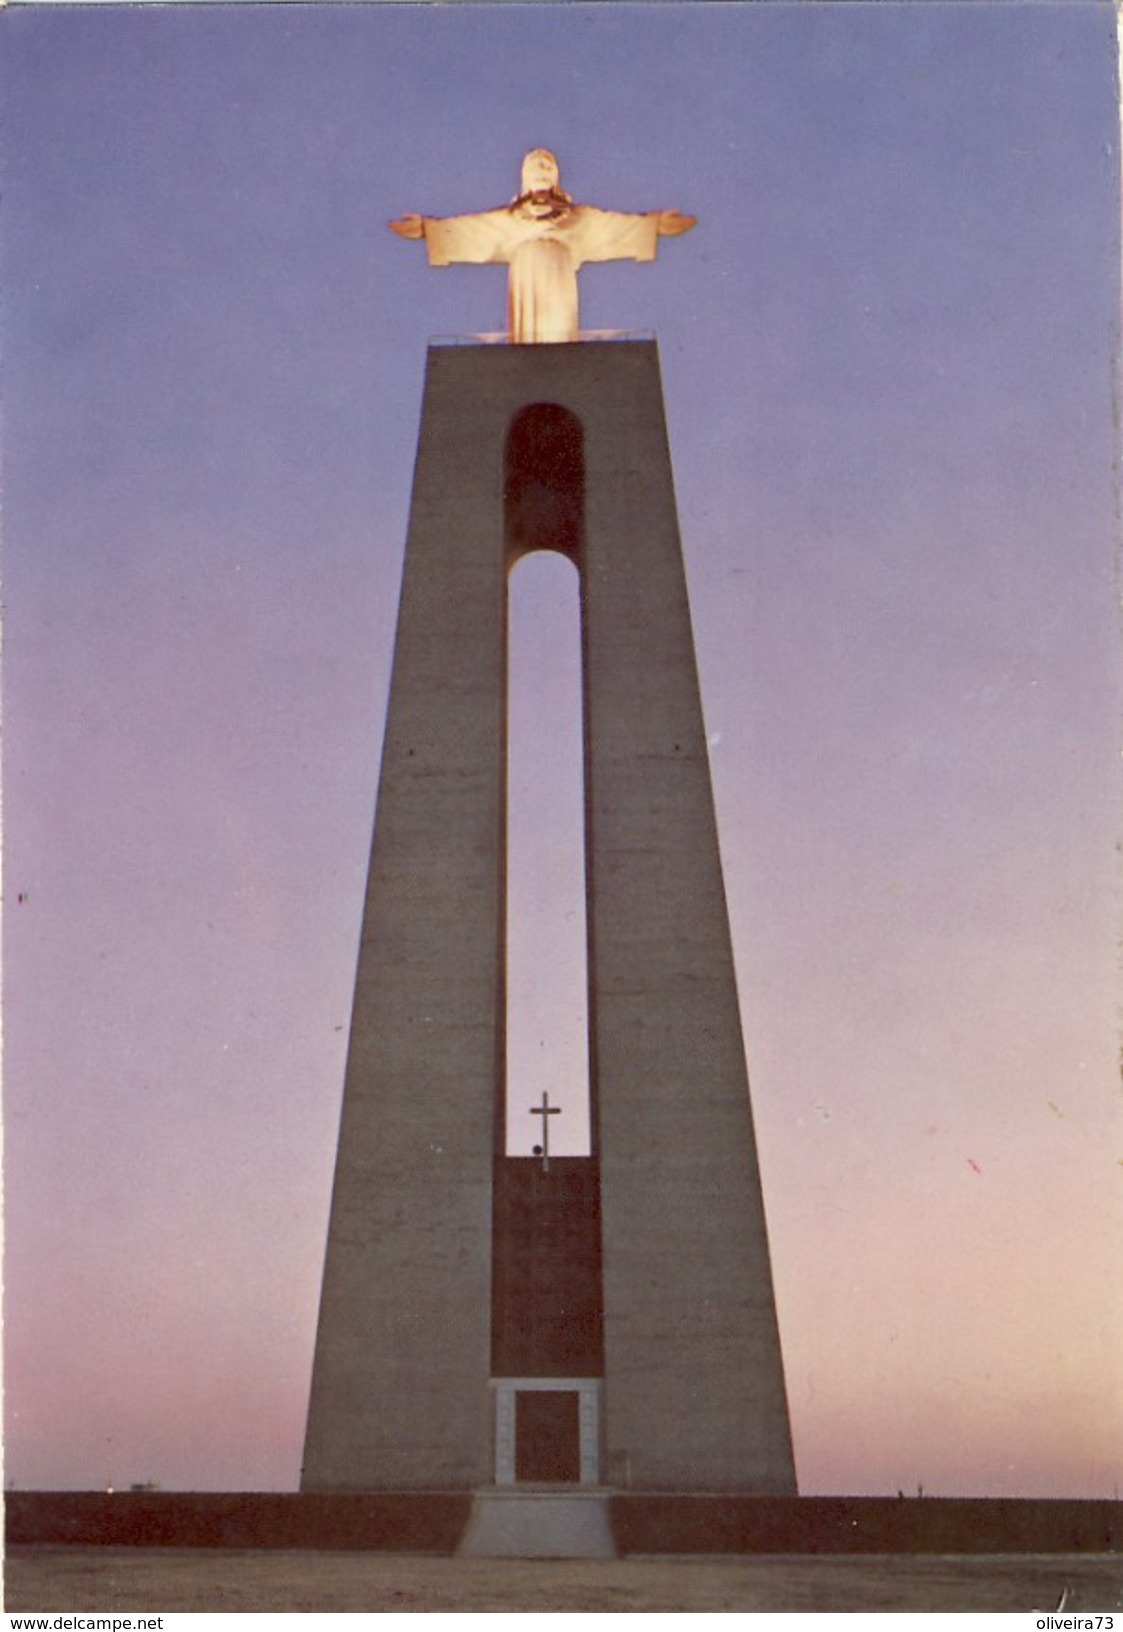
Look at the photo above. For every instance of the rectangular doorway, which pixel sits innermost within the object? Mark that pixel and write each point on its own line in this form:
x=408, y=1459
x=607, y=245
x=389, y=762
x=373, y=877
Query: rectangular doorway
x=547, y=1430
x=547, y=1437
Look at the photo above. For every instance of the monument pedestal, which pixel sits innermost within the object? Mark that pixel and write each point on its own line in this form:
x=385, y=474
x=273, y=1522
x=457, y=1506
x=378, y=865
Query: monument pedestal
x=539, y=1521
x=652, y=1276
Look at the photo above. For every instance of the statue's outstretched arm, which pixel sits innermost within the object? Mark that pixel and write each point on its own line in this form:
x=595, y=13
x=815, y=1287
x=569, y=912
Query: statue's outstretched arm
x=489, y=236
x=609, y=235
x=672, y=223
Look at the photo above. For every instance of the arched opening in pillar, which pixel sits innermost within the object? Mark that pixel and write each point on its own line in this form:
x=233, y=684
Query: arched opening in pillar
x=544, y=481
x=547, y=1066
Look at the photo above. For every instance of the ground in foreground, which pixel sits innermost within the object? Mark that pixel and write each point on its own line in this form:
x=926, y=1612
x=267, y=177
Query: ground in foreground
x=171, y=1579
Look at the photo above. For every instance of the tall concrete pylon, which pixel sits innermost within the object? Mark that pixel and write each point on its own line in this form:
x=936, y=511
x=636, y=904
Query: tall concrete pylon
x=678, y=1356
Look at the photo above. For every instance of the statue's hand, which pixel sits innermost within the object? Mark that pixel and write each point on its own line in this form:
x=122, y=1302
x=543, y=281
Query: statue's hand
x=672, y=223
x=410, y=226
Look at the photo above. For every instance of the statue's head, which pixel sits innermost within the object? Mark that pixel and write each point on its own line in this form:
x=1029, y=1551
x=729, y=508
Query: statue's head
x=540, y=172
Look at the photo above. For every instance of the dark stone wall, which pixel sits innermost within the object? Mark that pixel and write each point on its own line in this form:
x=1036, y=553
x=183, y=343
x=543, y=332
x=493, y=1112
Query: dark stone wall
x=410, y=1522
x=546, y=1300
x=863, y=1524
x=401, y=1522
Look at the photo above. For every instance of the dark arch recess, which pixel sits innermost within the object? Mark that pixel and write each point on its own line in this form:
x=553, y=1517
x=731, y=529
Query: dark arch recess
x=544, y=481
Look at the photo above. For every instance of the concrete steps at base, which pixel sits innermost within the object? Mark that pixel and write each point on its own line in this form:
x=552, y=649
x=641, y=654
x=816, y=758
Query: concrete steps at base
x=539, y=1522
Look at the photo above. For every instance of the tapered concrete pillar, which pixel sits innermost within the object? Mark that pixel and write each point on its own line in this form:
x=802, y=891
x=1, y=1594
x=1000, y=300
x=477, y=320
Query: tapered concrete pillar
x=693, y=1393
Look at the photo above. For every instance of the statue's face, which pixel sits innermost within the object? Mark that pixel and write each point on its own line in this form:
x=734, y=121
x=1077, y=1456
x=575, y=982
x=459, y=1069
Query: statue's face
x=540, y=172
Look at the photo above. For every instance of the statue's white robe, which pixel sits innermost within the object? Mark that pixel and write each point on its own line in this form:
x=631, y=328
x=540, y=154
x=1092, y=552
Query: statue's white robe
x=544, y=253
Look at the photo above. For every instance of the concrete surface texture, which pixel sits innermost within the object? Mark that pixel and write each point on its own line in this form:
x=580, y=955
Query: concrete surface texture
x=562, y=447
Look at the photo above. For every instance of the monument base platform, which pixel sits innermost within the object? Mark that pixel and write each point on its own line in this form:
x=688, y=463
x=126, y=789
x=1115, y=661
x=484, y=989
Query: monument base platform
x=544, y=1521
x=635, y=1524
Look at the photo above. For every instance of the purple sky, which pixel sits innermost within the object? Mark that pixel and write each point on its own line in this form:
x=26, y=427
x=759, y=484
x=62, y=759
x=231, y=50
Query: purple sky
x=888, y=361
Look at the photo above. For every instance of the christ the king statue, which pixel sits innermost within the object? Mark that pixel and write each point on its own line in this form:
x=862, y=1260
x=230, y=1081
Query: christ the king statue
x=545, y=238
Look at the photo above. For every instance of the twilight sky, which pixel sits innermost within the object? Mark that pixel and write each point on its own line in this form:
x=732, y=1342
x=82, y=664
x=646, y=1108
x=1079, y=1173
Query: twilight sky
x=888, y=359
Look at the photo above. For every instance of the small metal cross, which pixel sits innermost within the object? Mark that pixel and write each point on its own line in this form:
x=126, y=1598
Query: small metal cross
x=545, y=1111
